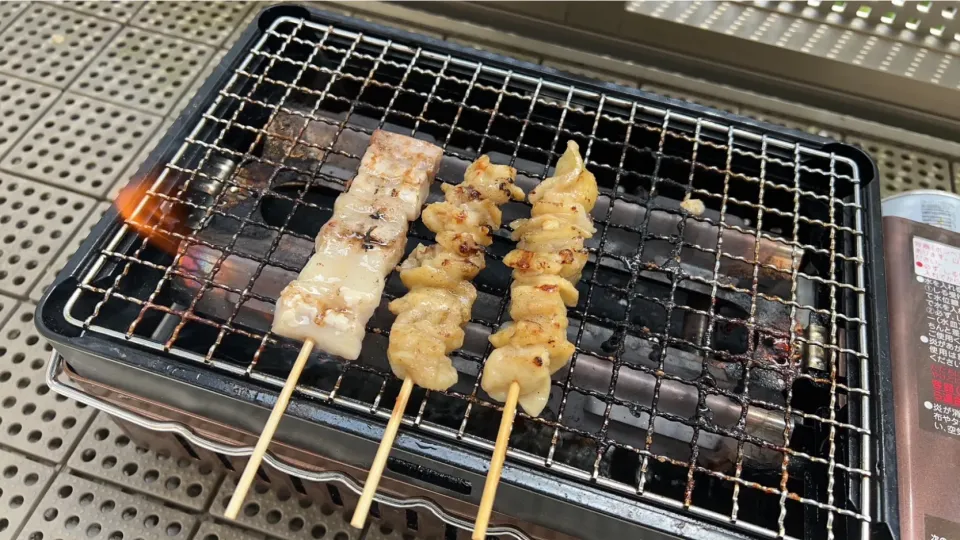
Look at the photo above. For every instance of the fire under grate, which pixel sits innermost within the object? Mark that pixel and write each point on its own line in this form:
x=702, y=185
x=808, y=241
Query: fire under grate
x=722, y=364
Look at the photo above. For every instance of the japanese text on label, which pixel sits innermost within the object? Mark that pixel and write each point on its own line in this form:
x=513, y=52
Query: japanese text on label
x=936, y=261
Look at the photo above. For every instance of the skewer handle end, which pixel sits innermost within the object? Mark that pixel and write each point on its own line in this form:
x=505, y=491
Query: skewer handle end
x=496, y=463
x=253, y=464
x=383, y=452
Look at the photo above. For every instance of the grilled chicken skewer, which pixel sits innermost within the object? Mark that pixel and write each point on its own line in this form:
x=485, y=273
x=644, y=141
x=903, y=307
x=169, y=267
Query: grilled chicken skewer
x=328, y=305
x=547, y=263
x=431, y=317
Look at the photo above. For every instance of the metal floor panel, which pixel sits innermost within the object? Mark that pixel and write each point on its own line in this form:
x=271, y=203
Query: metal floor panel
x=80, y=234
x=74, y=507
x=699, y=100
x=903, y=169
x=21, y=103
x=277, y=512
x=106, y=452
x=790, y=123
x=9, y=12
x=51, y=45
x=198, y=81
x=36, y=221
x=210, y=530
x=81, y=144
x=143, y=70
x=586, y=72
x=205, y=22
x=23, y=481
x=7, y=306
x=33, y=419
x=137, y=161
x=114, y=10
x=496, y=50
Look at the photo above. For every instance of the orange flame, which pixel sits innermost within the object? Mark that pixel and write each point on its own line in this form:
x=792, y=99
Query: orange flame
x=159, y=219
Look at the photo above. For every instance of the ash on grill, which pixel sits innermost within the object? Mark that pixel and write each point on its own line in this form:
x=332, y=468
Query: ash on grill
x=710, y=345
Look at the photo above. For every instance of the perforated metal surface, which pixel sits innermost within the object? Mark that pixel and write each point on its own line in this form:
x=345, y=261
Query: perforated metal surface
x=143, y=70
x=210, y=530
x=956, y=175
x=21, y=103
x=106, y=452
x=699, y=100
x=590, y=73
x=7, y=306
x=239, y=28
x=77, y=236
x=206, y=22
x=293, y=517
x=496, y=50
x=33, y=420
x=903, y=169
x=917, y=40
x=22, y=482
x=78, y=508
x=81, y=144
x=115, y=10
x=135, y=163
x=9, y=11
x=36, y=220
x=936, y=24
x=790, y=123
x=198, y=81
x=51, y=45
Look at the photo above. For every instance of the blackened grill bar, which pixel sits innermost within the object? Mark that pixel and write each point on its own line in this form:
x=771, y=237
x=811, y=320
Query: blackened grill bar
x=691, y=385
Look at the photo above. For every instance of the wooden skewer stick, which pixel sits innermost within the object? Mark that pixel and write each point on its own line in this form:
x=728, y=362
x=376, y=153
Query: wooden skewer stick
x=250, y=471
x=380, y=461
x=496, y=462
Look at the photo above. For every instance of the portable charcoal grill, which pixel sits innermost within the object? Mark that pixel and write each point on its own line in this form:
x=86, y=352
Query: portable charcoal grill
x=725, y=358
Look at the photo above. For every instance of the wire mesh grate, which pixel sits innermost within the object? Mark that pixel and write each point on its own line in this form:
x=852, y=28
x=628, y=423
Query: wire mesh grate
x=721, y=363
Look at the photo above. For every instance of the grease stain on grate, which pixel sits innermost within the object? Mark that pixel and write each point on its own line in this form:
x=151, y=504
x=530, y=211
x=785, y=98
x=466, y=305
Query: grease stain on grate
x=33, y=419
x=51, y=45
x=21, y=103
x=207, y=22
x=106, y=452
x=219, y=531
x=36, y=220
x=51, y=271
x=81, y=144
x=115, y=10
x=289, y=516
x=904, y=169
x=143, y=70
x=22, y=482
x=78, y=508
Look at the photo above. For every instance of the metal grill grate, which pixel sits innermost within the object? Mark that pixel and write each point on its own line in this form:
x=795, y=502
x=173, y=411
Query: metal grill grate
x=721, y=362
